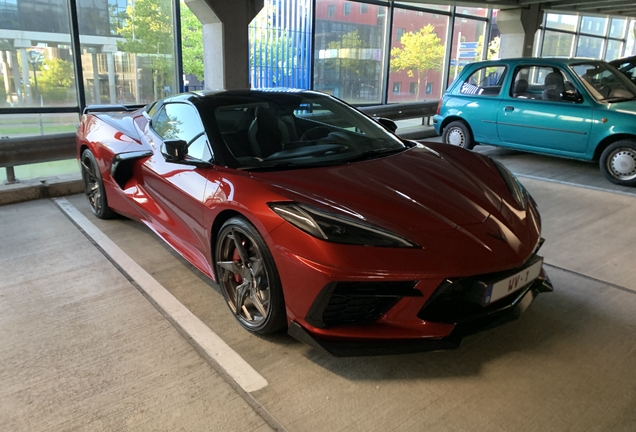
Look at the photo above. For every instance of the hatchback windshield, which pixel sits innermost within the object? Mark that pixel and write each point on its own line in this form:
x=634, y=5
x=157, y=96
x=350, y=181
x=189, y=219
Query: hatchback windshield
x=273, y=130
x=604, y=83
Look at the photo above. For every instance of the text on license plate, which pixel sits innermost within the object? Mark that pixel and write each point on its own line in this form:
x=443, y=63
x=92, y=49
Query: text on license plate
x=513, y=283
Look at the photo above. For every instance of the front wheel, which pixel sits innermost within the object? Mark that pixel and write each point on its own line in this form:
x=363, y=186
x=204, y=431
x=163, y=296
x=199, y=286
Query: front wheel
x=248, y=277
x=458, y=133
x=94, y=186
x=618, y=163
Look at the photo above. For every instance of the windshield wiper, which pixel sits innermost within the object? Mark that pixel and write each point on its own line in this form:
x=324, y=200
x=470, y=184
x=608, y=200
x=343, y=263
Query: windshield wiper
x=375, y=153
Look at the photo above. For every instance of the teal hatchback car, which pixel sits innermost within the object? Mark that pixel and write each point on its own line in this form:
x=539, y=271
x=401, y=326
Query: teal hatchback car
x=575, y=108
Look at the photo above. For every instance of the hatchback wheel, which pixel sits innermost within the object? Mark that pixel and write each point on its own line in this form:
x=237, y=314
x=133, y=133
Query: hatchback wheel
x=457, y=133
x=248, y=277
x=618, y=163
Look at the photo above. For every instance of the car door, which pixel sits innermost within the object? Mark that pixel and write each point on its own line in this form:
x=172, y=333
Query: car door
x=534, y=115
x=178, y=189
x=476, y=98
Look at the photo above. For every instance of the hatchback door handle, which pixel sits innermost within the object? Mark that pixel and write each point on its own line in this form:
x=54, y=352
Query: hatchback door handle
x=509, y=108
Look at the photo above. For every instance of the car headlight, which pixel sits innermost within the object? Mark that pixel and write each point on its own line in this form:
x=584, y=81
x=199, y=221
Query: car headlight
x=335, y=228
x=514, y=186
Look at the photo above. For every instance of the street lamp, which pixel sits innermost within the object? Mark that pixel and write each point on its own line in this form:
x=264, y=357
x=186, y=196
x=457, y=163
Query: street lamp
x=34, y=58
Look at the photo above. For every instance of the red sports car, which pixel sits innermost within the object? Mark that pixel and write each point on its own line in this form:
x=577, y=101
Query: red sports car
x=314, y=217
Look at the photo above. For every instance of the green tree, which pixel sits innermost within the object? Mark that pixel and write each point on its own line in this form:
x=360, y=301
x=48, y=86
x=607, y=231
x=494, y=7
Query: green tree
x=55, y=78
x=349, y=63
x=420, y=53
x=148, y=29
x=191, y=42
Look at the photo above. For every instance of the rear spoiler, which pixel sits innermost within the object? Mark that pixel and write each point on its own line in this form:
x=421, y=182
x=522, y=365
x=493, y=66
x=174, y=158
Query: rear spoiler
x=111, y=108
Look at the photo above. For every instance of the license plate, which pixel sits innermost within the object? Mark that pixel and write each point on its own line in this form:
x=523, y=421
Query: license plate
x=509, y=285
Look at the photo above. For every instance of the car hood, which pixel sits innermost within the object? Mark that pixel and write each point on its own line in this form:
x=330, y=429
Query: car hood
x=420, y=194
x=625, y=107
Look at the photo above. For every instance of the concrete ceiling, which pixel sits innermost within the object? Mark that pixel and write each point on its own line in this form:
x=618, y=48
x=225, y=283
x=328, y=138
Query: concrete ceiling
x=625, y=8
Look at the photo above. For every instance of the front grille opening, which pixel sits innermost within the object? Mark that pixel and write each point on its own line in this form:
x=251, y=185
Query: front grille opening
x=459, y=300
x=354, y=303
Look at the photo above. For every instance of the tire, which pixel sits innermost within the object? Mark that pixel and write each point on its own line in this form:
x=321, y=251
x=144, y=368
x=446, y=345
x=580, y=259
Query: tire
x=94, y=186
x=618, y=163
x=253, y=292
x=458, y=133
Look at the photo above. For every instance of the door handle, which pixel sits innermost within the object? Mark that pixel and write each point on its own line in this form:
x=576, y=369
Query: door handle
x=509, y=108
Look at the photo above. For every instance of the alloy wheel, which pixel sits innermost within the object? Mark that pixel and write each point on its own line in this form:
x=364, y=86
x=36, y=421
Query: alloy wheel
x=243, y=276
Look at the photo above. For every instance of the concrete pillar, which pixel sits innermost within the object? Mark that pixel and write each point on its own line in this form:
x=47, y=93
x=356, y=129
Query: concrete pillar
x=4, y=65
x=110, y=63
x=225, y=40
x=24, y=60
x=97, y=94
x=518, y=28
x=13, y=65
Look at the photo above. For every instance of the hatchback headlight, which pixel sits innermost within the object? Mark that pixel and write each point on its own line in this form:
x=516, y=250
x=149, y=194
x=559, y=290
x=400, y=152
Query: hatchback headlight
x=337, y=229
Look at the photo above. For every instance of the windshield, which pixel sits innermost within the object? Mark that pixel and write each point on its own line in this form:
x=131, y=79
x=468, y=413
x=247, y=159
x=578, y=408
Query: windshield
x=604, y=82
x=275, y=130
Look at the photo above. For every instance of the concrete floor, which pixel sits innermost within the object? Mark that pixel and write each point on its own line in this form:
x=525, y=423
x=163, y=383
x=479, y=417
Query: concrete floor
x=82, y=349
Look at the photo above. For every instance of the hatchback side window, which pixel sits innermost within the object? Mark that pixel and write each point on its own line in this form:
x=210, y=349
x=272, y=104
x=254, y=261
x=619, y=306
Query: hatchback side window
x=540, y=83
x=485, y=81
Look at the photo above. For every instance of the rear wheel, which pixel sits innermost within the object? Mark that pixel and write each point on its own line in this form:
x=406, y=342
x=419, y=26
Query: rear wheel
x=94, y=186
x=248, y=277
x=458, y=133
x=618, y=163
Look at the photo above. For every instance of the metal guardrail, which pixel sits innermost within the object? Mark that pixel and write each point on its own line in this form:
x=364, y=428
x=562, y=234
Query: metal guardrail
x=54, y=147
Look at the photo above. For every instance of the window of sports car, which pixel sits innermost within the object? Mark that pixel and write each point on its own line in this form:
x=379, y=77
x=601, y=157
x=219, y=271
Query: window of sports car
x=604, y=83
x=292, y=130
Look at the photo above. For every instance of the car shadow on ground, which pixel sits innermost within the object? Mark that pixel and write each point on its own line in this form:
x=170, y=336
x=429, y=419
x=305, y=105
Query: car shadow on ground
x=555, y=324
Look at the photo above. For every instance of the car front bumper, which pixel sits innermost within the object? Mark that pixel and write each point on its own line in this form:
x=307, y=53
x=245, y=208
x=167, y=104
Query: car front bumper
x=500, y=312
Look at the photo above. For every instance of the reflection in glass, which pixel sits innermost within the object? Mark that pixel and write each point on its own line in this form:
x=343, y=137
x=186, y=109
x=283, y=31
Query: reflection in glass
x=36, y=62
x=562, y=21
x=617, y=28
x=418, y=45
x=349, y=52
x=614, y=49
x=444, y=8
x=133, y=62
x=557, y=44
x=593, y=25
x=589, y=47
x=468, y=45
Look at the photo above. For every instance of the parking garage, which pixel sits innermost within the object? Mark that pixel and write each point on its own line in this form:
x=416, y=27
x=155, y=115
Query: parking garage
x=105, y=327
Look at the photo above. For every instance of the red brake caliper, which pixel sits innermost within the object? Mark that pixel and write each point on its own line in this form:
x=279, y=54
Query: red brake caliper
x=237, y=258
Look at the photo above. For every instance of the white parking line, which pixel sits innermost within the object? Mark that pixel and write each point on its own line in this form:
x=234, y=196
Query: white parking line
x=533, y=177
x=228, y=359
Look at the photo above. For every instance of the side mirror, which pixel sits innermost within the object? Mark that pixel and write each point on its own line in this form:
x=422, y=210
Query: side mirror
x=571, y=96
x=387, y=123
x=175, y=150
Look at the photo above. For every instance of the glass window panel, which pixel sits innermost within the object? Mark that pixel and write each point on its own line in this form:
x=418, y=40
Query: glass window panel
x=191, y=49
x=23, y=125
x=617, y=28
x=280, y=43
x=593, y=25
x=589, y=47
x=485, y=81
x=480, y=12
x=468, y=41
x=418, y=45
x=42, y=170
x=562, y=22
x=557, y=44
x=614, y=49
x=36, y=62
x=132, y=63
x=349, y=52
x=444, y=8
x=494, y=40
